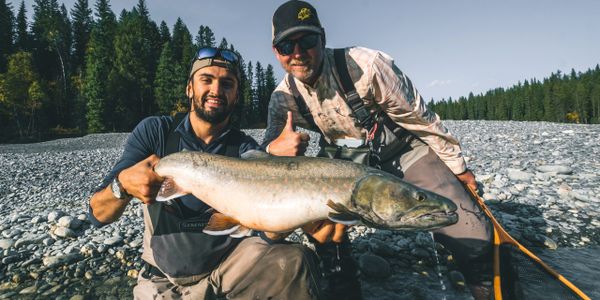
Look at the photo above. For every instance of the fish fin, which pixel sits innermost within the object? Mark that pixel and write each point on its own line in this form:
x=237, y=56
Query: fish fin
x=210, y=210
x=342, y=215
x=254, y=154
x=169, y=190
x=343, y=218
x=220, y=224
x=241, y=232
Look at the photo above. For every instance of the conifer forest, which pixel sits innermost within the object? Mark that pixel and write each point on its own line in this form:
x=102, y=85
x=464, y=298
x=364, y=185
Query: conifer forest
x=72, y=71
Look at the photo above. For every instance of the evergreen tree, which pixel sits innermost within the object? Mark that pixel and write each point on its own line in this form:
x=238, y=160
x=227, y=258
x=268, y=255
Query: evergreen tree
x=224, y=44
x=51, y=45
x=205, y=37
x=22, y=38
x=595, y=103
x=270, y=85
x=99, y=60
x=582, y=102
x=134, y=69
x=82, y=28
x=165, y=34
x=259, y=91
x=6, y=33
x=249, y=112
x=169, y=85
x=183, y=48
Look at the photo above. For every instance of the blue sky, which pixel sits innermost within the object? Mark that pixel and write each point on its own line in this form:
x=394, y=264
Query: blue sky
x=447, y=47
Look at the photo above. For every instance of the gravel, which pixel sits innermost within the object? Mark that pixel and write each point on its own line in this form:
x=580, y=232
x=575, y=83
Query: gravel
x=540, y=179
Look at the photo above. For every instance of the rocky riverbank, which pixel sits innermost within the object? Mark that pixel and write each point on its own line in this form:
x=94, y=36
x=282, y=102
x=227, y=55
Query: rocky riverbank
x=542, y=181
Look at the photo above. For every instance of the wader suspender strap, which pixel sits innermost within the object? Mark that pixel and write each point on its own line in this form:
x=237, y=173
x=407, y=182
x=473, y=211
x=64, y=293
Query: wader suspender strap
x=302, y=108
x=361, y=113
x=171, y=146
x=173, y=137
x=356, y=103
x=351, y=96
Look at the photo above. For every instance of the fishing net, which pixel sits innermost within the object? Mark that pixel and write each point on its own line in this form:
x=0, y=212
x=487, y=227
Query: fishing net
x=524, y=278
x=520, y=274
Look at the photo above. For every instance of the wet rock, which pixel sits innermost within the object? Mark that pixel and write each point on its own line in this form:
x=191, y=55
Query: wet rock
x=381, y=248
x=457, y=279
x=420, y=253
x=374, y=266
x=548, y=242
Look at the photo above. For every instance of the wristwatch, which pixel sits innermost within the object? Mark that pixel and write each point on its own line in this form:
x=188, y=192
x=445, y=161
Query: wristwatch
x=118, y=190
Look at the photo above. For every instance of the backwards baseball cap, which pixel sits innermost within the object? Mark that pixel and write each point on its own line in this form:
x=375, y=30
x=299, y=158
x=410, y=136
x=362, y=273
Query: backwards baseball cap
x=211, y=56
x=295, y=16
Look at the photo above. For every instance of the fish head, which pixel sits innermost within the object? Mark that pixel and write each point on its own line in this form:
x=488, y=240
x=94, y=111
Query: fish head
x=387, y=202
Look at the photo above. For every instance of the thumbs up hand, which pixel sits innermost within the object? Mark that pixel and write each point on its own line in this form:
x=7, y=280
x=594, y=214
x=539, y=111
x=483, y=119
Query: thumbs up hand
x=289, y=142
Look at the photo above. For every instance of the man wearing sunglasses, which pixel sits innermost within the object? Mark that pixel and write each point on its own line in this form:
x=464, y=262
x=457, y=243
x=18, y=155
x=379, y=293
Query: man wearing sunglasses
x=180, y=261
x=404, y=138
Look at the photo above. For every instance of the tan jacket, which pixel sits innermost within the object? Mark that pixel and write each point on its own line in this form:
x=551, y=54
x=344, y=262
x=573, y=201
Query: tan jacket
x=382, y=86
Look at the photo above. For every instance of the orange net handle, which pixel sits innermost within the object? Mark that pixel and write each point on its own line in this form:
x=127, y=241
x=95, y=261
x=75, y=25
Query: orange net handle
x=501, y=237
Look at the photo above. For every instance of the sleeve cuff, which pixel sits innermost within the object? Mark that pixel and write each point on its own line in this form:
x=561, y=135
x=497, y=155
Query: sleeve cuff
x=93, y=219
x=269, y=241
x=457, y=167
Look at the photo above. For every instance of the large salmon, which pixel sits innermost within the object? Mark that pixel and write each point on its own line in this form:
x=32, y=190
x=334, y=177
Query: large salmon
x=280, y=194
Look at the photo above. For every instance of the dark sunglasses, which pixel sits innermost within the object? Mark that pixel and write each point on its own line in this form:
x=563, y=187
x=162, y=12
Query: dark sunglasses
x=212, y=52
x=286, y=47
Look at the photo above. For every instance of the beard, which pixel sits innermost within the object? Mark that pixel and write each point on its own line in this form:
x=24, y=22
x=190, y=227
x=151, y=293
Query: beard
x=214, y=116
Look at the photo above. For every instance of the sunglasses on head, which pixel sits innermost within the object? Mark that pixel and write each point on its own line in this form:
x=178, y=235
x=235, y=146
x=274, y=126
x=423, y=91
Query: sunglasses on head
x=286, y=47
x=212, y=52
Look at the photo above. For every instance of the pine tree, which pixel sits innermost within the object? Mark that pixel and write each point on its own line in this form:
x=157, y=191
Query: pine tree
x=259, y=91
x=169, y=85
x=207, y=38
x=6, y=33
x=224, y=44
x=22, y=38
x=595, y=103
x=51, y=45
x=270, y=85
x=99, y=60
x=249, y=112
x=165, y=34
x=183, y=48
x=82, y=28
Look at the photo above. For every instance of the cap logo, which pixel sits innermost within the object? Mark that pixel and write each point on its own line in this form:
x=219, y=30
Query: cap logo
x=304, y=14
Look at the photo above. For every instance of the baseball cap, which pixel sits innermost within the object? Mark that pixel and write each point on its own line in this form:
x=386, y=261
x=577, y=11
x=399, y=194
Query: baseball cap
x=294, y=16
x=211, y=56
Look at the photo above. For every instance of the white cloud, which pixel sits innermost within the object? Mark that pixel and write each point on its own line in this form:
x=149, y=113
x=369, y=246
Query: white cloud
x=437, y=83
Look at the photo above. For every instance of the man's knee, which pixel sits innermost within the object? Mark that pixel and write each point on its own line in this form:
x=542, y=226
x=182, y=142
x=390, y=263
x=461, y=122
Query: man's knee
x=292, y=259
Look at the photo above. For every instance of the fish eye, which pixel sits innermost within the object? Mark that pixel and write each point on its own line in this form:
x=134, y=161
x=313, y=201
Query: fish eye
x=421, y=197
